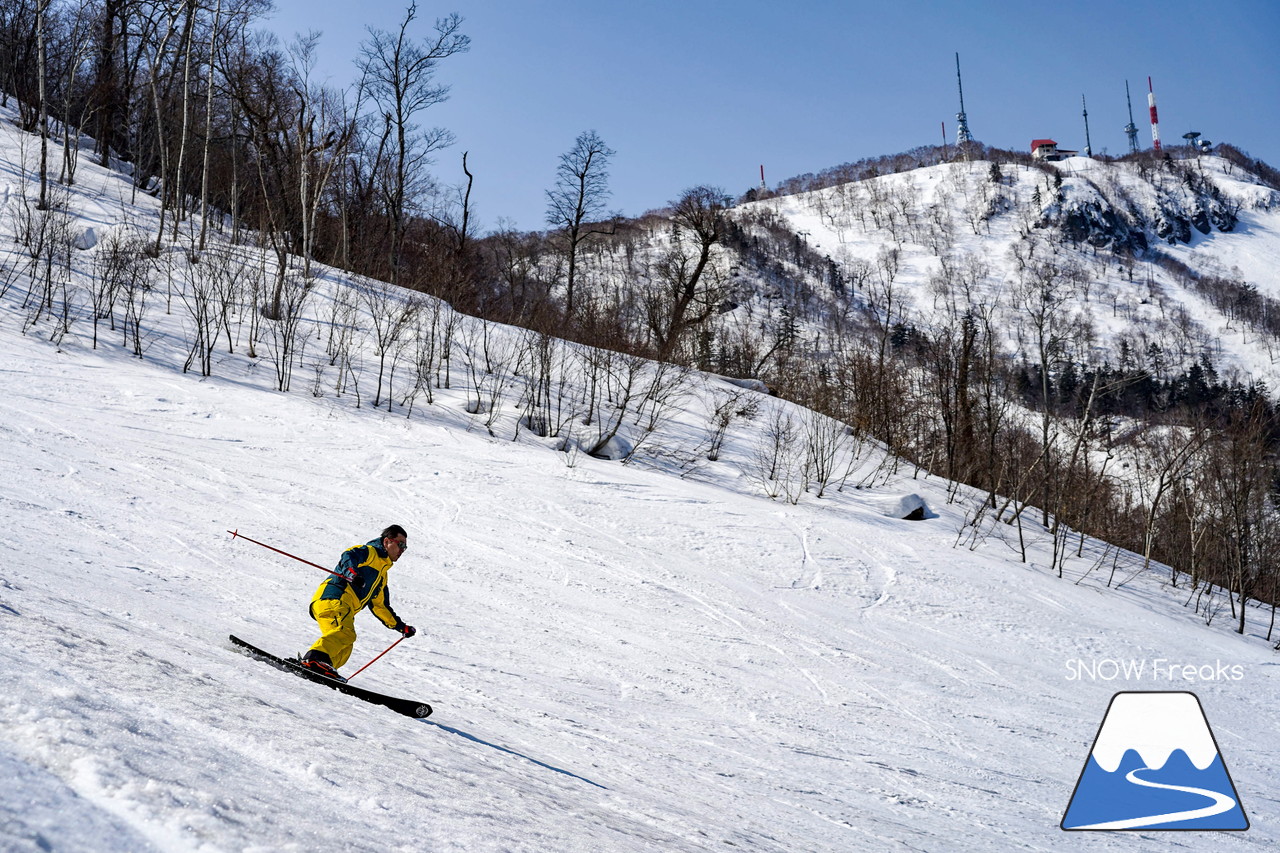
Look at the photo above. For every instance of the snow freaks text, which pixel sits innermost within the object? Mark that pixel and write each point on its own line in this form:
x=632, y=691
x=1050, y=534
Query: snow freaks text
x=1155, y=669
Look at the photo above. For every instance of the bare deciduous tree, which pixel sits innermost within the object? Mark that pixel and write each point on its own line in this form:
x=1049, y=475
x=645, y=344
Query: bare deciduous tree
x=690, y=288
x=1166, y=455
x=390, y=313
x=42, y=70
x=286, y=339
x=726, y=407
x=618, y=390
x=320, y=134
x=209, y=294
x=777, y=460
x=1044, y=291
x=826, y=440
x=577, y=200
x=488, y=361
x=400, y=75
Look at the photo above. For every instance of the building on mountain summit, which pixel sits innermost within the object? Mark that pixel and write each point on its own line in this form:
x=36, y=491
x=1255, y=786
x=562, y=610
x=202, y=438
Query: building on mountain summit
x=1048, y=150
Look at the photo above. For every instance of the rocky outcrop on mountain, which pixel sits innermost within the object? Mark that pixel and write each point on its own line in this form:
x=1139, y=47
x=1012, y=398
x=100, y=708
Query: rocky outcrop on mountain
x=1097, y=224
x=1172, y=202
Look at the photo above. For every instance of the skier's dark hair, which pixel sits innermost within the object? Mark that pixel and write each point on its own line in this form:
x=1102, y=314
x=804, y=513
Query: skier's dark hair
x=393, y=532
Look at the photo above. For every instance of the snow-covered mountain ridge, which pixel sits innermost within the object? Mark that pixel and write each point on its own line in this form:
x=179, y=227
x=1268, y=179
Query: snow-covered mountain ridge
x=1147, y=243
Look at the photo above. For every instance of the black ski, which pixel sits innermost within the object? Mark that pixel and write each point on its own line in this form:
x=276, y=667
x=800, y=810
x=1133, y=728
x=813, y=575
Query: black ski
x=408, y=707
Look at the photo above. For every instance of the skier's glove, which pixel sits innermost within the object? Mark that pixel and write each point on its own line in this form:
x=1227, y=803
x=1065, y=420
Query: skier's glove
x=408, y=630
x=347, y=574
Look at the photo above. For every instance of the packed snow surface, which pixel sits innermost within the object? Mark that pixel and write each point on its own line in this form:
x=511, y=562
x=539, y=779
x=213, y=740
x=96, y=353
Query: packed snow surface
x=619, y=659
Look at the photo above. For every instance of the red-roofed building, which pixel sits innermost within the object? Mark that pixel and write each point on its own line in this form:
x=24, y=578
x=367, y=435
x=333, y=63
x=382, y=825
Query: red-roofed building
x=1047, y=149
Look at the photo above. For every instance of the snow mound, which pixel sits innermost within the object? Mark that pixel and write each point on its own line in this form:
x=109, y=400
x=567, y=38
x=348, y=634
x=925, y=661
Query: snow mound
x=85, y=240
x=911, y=507
x=614, y=449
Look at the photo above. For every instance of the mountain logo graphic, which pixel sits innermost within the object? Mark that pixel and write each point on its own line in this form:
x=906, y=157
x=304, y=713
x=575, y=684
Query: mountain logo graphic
x=1155, y=765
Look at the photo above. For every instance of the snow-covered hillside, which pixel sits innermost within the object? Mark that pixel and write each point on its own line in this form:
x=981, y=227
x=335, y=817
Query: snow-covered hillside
x=648, y=656
x=1132, y=241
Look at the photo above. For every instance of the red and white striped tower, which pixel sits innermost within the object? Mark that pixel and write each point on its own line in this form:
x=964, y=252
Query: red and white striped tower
x=1155, y=121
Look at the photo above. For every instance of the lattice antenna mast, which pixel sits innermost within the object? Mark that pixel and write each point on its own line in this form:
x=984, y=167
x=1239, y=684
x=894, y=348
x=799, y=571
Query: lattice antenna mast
x=1130, y=129
x=962, y=121
x=1088, y=146
x=1155, y=119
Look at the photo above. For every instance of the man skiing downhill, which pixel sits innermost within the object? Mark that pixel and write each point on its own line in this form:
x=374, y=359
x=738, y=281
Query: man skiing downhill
x=359, y=581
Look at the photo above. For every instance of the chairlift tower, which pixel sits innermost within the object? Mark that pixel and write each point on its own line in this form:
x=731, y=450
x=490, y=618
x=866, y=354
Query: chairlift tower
x=962, y=121
x=1130, y=129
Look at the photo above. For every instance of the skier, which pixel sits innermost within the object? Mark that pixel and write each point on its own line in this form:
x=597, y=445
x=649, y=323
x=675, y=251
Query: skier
x=359, y=581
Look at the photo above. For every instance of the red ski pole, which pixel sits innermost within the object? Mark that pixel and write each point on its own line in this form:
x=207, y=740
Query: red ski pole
x=236, y=534
x=372, y=662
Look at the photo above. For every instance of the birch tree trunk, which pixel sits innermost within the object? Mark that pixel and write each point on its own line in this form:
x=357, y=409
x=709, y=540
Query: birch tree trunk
x=179, y=189
x=208, y=130
x=42, y=7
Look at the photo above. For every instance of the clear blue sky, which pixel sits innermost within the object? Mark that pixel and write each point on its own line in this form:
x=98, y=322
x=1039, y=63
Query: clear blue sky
x=707, y=91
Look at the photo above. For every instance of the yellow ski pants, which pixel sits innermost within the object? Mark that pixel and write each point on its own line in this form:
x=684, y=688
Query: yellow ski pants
x=337, y=630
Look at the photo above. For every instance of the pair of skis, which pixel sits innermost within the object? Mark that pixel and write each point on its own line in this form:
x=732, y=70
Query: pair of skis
x=408, y=707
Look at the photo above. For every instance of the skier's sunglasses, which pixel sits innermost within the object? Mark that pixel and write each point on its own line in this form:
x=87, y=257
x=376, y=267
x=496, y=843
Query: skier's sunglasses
x=404, y=546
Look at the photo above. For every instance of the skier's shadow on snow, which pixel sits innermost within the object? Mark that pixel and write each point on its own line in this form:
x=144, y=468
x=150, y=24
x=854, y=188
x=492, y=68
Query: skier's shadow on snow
x=542, y=764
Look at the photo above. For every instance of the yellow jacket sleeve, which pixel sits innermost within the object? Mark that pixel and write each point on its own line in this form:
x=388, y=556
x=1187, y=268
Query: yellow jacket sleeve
x=380, y=604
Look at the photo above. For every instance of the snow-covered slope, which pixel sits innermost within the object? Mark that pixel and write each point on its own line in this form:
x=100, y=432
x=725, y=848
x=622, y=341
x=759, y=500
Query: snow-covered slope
x=620, y=658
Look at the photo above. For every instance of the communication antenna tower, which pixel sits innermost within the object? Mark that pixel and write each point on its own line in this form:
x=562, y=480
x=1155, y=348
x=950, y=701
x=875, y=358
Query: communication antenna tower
x=1155, y=121
x=962, y=121
x=1088, y=146
x=1130, y=129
